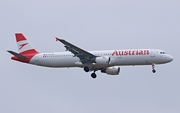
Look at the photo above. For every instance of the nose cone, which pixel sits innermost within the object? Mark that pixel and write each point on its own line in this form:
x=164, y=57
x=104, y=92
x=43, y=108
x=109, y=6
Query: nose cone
x=169, y=58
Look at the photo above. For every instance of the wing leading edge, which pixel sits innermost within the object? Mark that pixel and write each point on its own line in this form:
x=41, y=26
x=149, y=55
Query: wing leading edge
x=84, y=56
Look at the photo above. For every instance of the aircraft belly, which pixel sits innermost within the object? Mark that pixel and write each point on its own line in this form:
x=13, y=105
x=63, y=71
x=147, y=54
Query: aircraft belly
x=66, y=62
x=54, y=61
x=58, y=62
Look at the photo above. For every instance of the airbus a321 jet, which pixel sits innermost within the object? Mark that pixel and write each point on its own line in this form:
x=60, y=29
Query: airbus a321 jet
x=107, y=61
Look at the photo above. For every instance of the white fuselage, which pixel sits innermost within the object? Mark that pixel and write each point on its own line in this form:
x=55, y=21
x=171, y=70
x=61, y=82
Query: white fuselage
x=118, y=58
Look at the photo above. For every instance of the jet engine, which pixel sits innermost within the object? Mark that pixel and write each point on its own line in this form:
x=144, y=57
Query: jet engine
x=111, y=70
x=105, y=60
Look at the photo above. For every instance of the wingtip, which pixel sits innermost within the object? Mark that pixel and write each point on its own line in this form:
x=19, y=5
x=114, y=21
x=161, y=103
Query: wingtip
x=8, y=51
x=57, y=39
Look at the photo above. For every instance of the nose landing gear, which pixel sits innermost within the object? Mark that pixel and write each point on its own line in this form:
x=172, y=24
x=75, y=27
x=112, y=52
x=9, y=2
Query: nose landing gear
x=153, y=68
x=154, y=71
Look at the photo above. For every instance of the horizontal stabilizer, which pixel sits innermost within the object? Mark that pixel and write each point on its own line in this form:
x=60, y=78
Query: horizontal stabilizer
x=17, y=55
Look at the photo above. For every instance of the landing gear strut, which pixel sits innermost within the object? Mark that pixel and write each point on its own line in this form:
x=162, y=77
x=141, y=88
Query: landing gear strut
x=93, y=75
x=153, y=68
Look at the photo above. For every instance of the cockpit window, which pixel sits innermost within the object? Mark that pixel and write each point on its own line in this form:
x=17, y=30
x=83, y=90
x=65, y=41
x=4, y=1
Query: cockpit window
x=162, y=53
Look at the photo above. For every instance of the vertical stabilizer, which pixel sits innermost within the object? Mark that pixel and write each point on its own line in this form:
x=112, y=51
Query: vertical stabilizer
x=24, y=47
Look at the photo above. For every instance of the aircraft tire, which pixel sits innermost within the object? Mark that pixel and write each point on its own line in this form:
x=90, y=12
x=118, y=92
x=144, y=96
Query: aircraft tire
x=86, y=69
x=154, y=71
x=93, y=75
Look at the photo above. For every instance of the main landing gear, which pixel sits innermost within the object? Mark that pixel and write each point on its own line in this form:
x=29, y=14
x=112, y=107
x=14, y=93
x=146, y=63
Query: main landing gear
x=153, y=68
x=86, y=69
x=93, y=75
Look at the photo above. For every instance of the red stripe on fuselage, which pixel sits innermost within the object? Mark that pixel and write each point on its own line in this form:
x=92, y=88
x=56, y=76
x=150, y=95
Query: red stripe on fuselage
x=29, y=54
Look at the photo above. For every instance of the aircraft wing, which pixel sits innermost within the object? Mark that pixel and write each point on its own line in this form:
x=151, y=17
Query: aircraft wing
x=84, y=56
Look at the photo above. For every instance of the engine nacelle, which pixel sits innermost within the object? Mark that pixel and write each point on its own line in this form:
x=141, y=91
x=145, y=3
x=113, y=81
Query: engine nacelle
x=105, y=60
x=111, y=70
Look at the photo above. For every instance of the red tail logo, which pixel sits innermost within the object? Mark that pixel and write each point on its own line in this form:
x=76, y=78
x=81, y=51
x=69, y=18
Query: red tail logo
x=22, y=45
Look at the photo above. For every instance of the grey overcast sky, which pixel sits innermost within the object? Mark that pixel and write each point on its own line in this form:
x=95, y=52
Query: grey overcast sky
x=91, y=25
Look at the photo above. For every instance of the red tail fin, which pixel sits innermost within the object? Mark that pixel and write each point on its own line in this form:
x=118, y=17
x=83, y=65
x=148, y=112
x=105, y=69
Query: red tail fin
x=23, y=46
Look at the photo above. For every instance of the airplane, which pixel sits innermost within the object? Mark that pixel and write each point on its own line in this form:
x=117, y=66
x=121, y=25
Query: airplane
x=107, y=61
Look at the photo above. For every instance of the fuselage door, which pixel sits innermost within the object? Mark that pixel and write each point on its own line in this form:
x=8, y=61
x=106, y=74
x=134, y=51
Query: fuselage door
x=152, y=54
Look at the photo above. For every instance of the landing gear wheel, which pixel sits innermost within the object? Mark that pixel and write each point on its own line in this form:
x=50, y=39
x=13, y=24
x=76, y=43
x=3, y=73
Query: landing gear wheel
x=86, y=69
x=154, y=71
x=93, y=75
